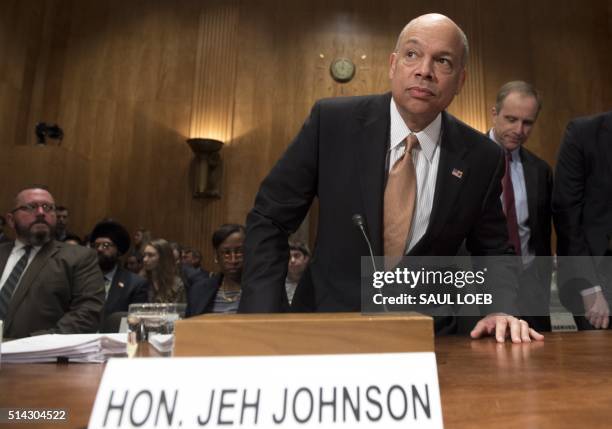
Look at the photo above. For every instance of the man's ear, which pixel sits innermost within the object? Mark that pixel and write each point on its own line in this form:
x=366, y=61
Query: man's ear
x=494, y=113
x=392, y=64
x=10, y=220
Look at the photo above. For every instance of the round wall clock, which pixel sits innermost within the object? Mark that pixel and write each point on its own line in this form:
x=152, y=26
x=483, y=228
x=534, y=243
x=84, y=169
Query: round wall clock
x=342, y=70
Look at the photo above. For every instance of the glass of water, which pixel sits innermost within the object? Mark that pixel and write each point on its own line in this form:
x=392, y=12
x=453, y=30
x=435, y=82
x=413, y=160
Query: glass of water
x=151, y=328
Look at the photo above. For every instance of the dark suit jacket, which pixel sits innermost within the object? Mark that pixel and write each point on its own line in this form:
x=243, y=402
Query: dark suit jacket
x=201, y=294
x=62, y=291
x=339, y=157
x=539, y=185
x=582, y=205
x=127, y=288
x=534, y=286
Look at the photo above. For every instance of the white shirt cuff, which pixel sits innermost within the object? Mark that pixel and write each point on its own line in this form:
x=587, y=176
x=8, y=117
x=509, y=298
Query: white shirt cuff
x=591, y=290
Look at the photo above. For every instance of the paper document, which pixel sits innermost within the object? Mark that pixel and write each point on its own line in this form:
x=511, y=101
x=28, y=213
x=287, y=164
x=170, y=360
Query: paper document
x=96, y=348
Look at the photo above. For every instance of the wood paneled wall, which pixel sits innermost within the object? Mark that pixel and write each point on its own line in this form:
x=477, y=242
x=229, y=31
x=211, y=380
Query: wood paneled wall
x=130, y=81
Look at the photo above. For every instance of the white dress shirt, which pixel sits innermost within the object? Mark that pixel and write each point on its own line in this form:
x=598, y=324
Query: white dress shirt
x=16, y=254
x=426, y=159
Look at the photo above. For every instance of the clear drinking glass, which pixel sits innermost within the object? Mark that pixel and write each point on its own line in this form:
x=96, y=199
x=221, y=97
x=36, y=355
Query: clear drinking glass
x=151, y=328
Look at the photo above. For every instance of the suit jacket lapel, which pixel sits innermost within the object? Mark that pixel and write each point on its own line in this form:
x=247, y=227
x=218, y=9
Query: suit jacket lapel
x=371, y=140
x=40, y=260
x=115, y=291
x=452, y=172
x=530, y=173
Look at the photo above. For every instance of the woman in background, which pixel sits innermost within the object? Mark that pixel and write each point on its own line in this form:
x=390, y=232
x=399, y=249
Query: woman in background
x=221, y=292
x=140, y=240
x=165, y=283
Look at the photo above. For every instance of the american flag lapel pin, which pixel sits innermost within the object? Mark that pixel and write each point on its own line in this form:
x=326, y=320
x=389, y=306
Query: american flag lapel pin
x=457, y=173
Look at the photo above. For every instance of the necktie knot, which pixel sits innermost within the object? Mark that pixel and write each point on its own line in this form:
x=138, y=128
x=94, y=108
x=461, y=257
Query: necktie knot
x=508, y=156
x=412, y=142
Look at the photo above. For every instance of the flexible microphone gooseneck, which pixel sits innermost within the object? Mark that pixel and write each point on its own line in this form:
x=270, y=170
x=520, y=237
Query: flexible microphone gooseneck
x=359, y=223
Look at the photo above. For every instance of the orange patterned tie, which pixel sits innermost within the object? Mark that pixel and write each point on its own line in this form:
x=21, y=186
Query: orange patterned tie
x=400, y=199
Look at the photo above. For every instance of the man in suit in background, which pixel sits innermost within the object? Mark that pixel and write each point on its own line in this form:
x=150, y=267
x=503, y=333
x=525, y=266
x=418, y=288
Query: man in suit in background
x=122, y=287
x=61, y=227
x=526, y=198
x=46, y=286
x=582, y=211
x=422, y=181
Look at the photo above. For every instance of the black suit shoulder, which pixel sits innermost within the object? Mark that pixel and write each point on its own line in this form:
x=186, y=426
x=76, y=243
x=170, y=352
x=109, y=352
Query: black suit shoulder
x=71, y=252
x=201, y=294
x=129, y=278
x=464, y=134
x=591, y=122
x=536, y=160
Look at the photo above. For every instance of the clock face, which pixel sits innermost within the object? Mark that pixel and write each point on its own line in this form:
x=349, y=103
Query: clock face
x=342, y=69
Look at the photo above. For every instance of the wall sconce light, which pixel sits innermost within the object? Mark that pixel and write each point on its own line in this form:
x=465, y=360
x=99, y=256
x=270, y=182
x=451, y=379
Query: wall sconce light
x=208, y=167
x=44, y=130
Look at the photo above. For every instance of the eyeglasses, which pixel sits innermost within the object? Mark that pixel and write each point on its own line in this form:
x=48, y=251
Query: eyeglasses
x=238, y=252
x=33, y=208
x=106, y=245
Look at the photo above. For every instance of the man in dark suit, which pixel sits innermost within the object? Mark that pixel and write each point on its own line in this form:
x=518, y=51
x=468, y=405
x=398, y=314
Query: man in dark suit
x=346, y=155
x=122, y=287
x=46, y=286
x=526, y=198
x=582, y=212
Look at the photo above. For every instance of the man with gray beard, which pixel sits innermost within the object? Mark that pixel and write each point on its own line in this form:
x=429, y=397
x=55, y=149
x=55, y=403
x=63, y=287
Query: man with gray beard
x=46, y=286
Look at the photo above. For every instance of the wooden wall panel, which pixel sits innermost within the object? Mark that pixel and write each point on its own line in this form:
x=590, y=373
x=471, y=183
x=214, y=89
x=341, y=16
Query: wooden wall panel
x=130, y=81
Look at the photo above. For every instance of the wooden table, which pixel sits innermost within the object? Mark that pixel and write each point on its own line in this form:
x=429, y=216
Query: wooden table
x=563, y=382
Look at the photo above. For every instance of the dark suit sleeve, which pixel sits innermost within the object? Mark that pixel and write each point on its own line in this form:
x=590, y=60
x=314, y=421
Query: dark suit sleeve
x=140, y=293
x=280, y=207
x=488, y=243
x=547, y=221
x=87, y=297
x=575, y=274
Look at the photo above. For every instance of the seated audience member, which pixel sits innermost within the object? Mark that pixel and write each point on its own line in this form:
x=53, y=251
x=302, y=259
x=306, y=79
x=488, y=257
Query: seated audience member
x=111, y=240
x=73, y=239
x=193, y=259
x=141, y=239
x=61, y=229
x=177, y=253
x=221, y=292
x=46, y=286
x=133, y=263
x=3, y=237
x=299, y=255
x=165, y=282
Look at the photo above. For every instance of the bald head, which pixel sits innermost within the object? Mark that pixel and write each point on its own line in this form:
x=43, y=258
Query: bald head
x=435, y=20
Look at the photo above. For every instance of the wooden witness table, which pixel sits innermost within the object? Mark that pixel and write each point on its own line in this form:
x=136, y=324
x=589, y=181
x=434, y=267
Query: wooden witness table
x=563, y=382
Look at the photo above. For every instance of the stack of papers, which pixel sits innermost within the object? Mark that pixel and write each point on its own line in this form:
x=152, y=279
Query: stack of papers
x=93, y=348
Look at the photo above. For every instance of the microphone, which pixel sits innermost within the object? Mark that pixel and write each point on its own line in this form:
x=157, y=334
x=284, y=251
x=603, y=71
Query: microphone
x=360, y=223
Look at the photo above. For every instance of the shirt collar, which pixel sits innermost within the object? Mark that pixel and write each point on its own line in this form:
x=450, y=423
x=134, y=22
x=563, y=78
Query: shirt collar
x=20, y=245
x=429, y=137
x=111, y=274
x=515, y=153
